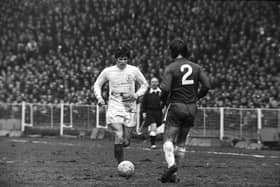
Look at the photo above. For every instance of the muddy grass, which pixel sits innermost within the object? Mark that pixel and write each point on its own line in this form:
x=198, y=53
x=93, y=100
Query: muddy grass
x=82, y=162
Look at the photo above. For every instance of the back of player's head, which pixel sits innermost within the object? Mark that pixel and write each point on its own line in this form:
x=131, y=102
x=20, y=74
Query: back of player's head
x=122, y=51
x=178, y=47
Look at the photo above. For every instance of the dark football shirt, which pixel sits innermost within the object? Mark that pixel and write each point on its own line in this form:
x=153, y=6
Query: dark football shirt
x=181, y=80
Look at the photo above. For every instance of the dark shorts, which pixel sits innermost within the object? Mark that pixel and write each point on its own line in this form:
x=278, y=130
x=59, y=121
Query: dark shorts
x=153, y=117
x=179, y=115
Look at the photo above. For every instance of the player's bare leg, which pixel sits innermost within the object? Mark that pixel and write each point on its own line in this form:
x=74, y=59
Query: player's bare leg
x=153, y=133
x=180, y=144
x=168, y=149
x=118, y=144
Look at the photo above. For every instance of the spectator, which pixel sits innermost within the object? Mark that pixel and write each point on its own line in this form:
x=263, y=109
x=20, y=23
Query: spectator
x=57, y=45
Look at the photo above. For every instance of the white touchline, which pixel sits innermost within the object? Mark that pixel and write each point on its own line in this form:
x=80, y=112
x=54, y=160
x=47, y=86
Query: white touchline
x=242, y=154
x=222, y=153
x=43, y=142
x=19, y=141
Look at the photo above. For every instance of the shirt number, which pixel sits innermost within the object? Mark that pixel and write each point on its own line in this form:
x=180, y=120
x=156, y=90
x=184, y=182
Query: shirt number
x=185, y=80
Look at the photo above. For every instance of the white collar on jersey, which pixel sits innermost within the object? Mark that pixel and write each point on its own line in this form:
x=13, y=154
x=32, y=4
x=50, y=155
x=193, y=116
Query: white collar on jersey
x=152, y=90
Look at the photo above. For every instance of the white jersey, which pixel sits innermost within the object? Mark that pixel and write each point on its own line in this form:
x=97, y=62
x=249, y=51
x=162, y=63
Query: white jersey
x=121, y=84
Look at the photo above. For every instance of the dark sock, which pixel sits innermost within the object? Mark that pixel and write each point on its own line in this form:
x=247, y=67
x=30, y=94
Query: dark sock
x=153, y=140
x=118, y=150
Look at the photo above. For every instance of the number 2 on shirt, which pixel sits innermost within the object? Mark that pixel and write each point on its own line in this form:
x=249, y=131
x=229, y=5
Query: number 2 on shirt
x=185, y=80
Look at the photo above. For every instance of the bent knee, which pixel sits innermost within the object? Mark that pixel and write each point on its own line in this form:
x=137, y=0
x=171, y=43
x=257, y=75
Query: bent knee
x=118, y=136
x=119, y=140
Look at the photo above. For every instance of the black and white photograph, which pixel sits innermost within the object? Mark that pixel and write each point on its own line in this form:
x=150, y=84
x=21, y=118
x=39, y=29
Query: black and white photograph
x=139, y=93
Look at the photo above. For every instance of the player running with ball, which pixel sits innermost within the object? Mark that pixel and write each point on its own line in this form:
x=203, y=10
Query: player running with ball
x=180, y=90
x=121, y=112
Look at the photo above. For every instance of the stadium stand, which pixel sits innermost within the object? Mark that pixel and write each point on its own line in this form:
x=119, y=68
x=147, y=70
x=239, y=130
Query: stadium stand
x=53, y=50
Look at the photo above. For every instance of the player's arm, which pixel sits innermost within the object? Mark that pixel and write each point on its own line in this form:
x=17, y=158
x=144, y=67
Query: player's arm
x=101, y=79
x=143, y=83
x=166, y=85
x=204, y=80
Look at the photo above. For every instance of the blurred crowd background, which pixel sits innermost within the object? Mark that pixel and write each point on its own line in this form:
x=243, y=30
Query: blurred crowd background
x=53, y=50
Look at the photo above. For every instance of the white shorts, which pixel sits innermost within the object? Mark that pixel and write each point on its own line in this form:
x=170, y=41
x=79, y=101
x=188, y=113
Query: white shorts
x=128, y=120
x=117, y=113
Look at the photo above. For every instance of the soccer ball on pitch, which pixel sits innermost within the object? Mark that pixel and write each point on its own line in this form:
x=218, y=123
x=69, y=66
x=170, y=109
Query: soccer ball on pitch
x=126, y=168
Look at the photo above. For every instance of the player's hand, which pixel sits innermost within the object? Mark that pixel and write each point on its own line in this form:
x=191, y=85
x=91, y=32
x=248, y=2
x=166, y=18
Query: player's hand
x=101, y=101
x=129, y=98
x=144, y=115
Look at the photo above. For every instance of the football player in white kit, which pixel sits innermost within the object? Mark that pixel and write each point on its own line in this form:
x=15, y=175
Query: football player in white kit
x=121, y=112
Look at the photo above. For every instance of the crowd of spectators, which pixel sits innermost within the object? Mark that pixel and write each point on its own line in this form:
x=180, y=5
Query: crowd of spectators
x=53, y=50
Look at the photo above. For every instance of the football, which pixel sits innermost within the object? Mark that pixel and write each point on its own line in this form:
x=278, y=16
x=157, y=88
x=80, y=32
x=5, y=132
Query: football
x=126, y=169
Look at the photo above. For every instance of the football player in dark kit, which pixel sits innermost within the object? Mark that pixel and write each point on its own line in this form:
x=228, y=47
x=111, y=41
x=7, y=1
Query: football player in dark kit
x=179, y=86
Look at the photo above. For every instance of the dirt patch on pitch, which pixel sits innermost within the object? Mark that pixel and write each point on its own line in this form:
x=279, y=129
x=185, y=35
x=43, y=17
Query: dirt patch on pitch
x=82, y=162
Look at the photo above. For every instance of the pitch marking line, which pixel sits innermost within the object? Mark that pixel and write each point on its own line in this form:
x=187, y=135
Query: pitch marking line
x=43, y=142
x=148, y=149
x=221, y=153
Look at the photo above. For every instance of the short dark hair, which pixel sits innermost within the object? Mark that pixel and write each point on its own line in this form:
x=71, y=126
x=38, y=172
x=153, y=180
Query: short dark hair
x=122, y=51
x=177, y=47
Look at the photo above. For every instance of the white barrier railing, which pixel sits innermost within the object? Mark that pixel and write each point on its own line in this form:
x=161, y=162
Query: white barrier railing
x=210, y=122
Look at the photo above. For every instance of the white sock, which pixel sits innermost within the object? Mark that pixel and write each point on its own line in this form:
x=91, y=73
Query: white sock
x=168, y=149
x=153, y=129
